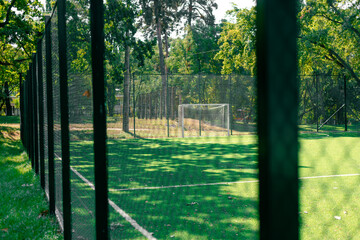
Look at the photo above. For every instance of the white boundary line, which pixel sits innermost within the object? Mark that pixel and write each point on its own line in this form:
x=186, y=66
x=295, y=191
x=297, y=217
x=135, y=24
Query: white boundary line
x=180, y=186
x=224, y=183
x=142, y=230
x=57, y=214
x=330, y=176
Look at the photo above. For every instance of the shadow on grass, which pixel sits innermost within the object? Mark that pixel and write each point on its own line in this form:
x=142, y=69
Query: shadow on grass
x=323, y=134
x=198, y=212
x=9, y=119
x=23, y=209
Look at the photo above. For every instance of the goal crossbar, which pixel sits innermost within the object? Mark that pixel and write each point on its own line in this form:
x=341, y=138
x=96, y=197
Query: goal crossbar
x=211, y=107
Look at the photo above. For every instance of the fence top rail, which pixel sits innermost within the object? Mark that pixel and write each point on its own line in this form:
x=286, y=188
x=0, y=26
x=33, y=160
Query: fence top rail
x=205, y=104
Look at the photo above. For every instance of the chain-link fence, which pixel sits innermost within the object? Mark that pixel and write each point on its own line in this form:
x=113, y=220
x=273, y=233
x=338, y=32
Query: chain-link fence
x=189, y=156
x=328, y=104
x=154, y=111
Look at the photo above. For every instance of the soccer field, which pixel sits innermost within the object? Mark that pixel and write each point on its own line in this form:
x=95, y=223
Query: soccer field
x=207, y=188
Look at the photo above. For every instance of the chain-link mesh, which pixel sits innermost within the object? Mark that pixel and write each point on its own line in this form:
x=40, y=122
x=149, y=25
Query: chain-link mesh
x=327, y=104
x=56, y=116
x=45, y=126
x=162, y=185
x=80, y=119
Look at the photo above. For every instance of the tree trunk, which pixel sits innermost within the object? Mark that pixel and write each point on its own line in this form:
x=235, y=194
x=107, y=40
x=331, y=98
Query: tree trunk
x=7, y=100
x=126, y=105
x=111, y=98
x=161, y=58
x=190, y=12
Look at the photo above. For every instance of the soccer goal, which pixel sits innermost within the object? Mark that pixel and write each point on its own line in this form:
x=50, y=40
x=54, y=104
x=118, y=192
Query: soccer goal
x=204, y=120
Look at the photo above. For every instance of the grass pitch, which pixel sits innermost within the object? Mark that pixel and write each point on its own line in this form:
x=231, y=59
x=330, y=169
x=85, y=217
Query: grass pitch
x=206, y=188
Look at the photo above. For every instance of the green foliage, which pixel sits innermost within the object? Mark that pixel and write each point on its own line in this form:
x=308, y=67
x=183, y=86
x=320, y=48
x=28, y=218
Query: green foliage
x=330, y=37
x=20, y=28
x=237, y=43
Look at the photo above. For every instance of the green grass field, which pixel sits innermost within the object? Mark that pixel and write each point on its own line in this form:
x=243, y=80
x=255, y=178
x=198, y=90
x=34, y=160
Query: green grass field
x=23, y=208
x=220, y=199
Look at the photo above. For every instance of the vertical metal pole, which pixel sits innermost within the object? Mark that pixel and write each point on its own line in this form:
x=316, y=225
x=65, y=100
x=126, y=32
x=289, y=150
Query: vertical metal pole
x=101, y=178
x=200, y=113
x=49, y=96
x=277, y=87
x=230, y=107
x=182, y=120
x=30, y=141
x=167, y=105
x=345, y=102
x=41, y=113
x=32, y=138
x=35, y=115
x=21, y=108
x=317, y=102
x=134, y=104
x=228, y=119
x=64, y=108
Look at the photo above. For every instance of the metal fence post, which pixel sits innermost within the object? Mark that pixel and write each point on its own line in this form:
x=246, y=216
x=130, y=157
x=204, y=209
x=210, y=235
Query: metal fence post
x=64, y=108
x=134, y=103
x=277, y=118
x=167, y=106
x=230, y=106
x=41, y=113
x=49, y=96
x=35, y=114
x=317, y=102
x=21, y=85
x=345, y=102
x=97, y=56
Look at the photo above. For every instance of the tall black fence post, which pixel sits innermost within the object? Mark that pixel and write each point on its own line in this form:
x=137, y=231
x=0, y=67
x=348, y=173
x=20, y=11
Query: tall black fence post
x=30, y=111
x=345, y=102
x=199, y=92
x=167, y=106
x=134, y=103
x=230, y=106
x=35, y=114
x=317, y=102
x=50, y=117
x=97, y=56
x=41, y=113
x=64, y=108
x=277, y=118
x=21, y=85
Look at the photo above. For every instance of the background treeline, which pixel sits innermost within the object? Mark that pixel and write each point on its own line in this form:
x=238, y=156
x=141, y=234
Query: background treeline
x=182, y=37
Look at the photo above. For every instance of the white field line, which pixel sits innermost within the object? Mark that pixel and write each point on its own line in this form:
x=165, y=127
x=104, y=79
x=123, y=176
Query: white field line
x=224, y=183
x=57, y=214
x=180, y=186
x=142, y=230
x=330, y=176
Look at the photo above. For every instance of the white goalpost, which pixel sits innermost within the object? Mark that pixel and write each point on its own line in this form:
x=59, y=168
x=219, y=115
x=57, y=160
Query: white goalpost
x=204, y=120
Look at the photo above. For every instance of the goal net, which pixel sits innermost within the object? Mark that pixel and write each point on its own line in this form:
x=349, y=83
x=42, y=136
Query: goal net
x=203, y=120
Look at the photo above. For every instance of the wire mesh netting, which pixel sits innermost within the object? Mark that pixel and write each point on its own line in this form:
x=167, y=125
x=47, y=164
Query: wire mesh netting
x=328, y=103
x=183, y=149
x=153, y=109
x=80, y=120
x=45, y=126
x=162, y=185
x=328, y=167
x=57, y=117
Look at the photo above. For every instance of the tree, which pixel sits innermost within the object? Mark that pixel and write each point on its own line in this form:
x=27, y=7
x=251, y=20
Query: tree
x=330, y=36
x=120, y=20
x=159, y=15
x=197, y=10
x=20, y=29
x=237, y=43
